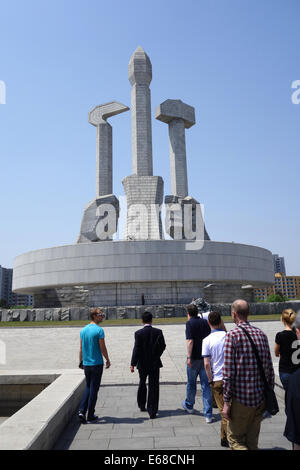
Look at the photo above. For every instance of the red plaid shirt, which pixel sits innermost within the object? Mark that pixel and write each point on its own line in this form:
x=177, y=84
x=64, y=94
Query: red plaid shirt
x=241, y=375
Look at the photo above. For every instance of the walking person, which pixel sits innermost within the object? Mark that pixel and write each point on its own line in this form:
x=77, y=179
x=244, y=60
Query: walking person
x=244, y=401
x=213, y=354
x=92, y=350
x=149, y=344
x=284, y=342
x=292, y=427
x=196, y=330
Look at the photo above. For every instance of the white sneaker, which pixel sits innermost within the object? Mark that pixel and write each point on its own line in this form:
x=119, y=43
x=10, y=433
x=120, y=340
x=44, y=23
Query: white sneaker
x=189, y=410
x=208, y=420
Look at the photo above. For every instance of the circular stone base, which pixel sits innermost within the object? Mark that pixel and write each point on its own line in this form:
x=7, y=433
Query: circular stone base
x=164, y=271
x=133, y=294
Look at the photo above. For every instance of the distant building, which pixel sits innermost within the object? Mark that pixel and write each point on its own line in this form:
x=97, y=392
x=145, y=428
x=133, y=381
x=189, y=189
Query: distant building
x=289, y=286
x=6, y=293
x=263, y=293
x=5, y=284
x=19, y=299
x=279, y=264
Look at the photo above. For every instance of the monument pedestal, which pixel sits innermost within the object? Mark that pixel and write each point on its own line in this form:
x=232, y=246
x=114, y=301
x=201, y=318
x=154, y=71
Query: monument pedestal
x=144, y=196
x=165, y=271
x=100, y=219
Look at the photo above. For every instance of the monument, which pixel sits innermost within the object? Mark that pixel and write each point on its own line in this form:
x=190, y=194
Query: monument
x=179, y=116
x=91, y=227
x=142, y=189
x=144, y=268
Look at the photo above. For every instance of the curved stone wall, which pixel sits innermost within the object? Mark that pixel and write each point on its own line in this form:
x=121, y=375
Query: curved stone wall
x=141, y=261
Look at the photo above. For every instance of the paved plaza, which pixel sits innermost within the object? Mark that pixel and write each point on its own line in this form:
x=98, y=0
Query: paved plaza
x=122, y=425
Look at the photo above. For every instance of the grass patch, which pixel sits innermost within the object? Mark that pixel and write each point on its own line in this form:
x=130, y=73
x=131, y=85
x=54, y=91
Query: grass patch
x=120, y=322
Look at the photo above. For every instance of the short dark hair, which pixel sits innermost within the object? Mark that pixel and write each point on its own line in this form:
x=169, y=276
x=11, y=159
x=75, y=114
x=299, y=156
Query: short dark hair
x=214, y=318
x=192, y=310
x=147, y=317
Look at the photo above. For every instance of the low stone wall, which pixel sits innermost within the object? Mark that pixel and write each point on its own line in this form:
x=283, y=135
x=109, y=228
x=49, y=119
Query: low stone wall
x=45, y=314
x=112, y=313
x=38, y=424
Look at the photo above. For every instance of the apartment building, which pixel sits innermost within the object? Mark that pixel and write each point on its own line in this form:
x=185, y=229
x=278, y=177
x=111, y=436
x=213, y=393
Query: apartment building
x=287, y=285
x=6, y=294
x=279, y=264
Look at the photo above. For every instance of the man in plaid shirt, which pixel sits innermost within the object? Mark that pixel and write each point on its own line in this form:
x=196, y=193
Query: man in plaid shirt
x=243, y=387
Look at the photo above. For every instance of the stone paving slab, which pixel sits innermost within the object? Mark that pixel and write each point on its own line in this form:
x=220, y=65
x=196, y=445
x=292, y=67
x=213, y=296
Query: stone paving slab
x=177, y=442
x=89, y=444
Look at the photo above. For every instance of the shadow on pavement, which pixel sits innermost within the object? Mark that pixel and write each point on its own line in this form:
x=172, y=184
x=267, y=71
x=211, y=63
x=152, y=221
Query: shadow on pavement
x=113, y=419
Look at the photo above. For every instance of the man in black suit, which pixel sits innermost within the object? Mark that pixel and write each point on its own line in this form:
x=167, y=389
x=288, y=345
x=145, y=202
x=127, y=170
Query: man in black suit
x=149, y=345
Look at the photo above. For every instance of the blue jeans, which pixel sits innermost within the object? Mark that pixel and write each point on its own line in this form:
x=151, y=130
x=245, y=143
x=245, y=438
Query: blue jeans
x=93, y=376
x=284, y=378
x=191, y=387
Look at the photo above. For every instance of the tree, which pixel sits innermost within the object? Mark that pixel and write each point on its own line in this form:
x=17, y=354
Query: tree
x=277, y=297
x=3, y=303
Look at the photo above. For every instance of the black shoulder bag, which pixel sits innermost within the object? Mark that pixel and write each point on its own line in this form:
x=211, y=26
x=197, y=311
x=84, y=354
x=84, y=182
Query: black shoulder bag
x=271, y=400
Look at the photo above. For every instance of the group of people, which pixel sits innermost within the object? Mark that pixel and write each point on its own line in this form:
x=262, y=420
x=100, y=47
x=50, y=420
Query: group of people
x=224, y=361
x=228, y=372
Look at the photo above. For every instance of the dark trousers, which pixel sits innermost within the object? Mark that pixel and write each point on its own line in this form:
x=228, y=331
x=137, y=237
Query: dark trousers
x=284, y=378
x=93, y=376
x=153, y=390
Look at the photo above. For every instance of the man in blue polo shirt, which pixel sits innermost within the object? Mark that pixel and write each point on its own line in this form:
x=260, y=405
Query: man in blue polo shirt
x=92, y=347
x=196, y=330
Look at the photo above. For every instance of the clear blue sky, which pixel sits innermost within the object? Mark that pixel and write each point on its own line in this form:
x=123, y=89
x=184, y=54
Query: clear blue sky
x=233, y=60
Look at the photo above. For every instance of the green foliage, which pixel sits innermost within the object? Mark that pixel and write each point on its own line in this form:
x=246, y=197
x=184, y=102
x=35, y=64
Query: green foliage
x=277, y=297
x=3, y=303
x=19, y=307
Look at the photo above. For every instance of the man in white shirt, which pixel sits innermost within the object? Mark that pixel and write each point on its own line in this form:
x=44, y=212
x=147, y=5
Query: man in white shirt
x=213, y=353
